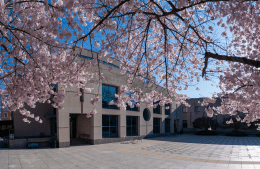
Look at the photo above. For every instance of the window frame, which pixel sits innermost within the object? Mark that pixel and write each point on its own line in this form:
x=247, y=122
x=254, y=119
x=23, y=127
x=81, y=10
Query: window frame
x=168, y=126
x=167, y=110
x=131, y=125
x=197, y=109
x=158, y=107
x=5, y=114
x=109, y=126
x=156, y=127
x=110, y=106
x=186, y=126
x=184, y=110
x=128, y=108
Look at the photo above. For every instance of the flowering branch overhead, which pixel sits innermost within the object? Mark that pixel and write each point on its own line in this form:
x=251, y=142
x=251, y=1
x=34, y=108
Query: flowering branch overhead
x=172, y=40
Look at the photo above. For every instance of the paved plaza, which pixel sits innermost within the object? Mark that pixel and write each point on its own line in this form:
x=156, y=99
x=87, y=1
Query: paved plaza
x=178, y=151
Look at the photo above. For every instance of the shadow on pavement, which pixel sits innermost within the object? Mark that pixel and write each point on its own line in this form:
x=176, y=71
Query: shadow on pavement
x=217, y=139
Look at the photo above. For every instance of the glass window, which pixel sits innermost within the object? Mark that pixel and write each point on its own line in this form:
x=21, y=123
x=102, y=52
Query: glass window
x=157, y=110
x=132, y=108
x=5, y=109
x=197, y=109
x=109, y=126
x=132, y=125
x=113, y=120
x=184, y=109
x=156, y=125
x=167, y=111
x=108, y=94
x=5, y=115
x=146, y=114
x=184, y=123
x=54, y=87
x=85, y=57
x=167, y=125
x=105, y=120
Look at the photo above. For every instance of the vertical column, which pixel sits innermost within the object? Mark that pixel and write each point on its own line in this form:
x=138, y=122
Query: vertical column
x=173, y=109
x=63, y=132
x=163, y=119
x=122, y=124
x=179, y=117
x=96, y=120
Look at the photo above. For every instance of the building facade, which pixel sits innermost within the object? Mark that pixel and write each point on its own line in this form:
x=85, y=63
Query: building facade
x=6, y=115
x=189, y=114
x=110, y=124
x=6, y=122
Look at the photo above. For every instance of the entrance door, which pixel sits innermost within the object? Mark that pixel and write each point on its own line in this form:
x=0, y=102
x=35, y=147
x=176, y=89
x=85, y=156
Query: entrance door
x=73, y=127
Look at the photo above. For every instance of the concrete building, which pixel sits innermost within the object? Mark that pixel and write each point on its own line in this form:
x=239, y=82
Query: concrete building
x=189, y=114
x=6, y=122
x=5, y=114
x=110, y=124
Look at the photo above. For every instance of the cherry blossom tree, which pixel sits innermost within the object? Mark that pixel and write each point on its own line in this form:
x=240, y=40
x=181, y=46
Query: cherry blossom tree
x=179, y=41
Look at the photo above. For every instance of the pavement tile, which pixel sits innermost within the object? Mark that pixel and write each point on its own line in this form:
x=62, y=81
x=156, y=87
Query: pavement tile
x=176, y=152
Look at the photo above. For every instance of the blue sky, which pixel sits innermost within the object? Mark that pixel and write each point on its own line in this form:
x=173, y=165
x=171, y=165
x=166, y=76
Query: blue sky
x=206, y=90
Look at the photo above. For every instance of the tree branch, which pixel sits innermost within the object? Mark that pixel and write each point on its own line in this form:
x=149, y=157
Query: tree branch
x=250, y=62
x=102, y=20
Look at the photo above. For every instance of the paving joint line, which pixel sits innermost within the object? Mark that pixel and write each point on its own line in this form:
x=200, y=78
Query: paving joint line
x=127, y=149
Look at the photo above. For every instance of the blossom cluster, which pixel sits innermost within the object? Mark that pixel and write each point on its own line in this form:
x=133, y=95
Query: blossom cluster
x=38, y=41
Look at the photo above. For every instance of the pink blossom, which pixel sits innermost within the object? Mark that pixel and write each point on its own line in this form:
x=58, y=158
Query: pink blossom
x=238, y=118
x=110, y=69
x=37, y=118
x=209, y=112
x=78, y=94
x=230, y=121
x=88, y=89
x=224, y=34
x=93, y=112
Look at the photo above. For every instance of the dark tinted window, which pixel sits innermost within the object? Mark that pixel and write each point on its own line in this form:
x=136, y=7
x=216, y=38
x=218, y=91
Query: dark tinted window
x=156, y=125
x=157, y=110
x=146, y=114
x=196, y=108
x=132, y=126
x=167, y=125
x=168, y=111
x=133, y=107
x=184, y=124
x=108, y=94
x=109, y=126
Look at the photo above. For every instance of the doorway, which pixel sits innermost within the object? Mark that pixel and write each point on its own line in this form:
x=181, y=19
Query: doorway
x=75, y=138
x=73, y=126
